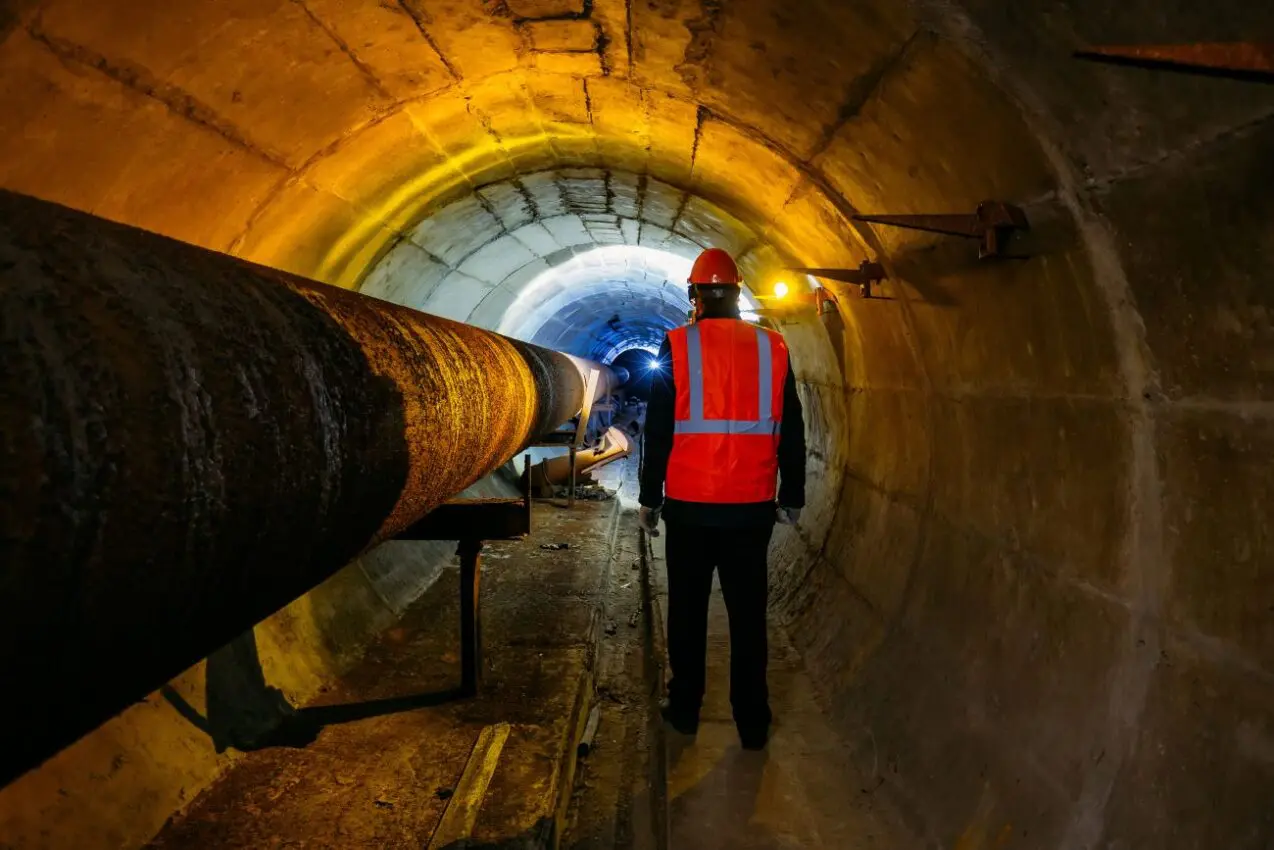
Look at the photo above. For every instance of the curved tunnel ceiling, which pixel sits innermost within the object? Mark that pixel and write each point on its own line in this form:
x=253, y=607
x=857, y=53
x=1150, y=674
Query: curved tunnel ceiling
x=1034, y=561
x=588, y=260
x=603, y=302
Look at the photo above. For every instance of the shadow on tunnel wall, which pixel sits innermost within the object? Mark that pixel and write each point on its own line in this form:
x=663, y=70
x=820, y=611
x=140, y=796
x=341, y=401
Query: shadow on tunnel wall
x=243, y=711
x=834, y=324
x=934, y=266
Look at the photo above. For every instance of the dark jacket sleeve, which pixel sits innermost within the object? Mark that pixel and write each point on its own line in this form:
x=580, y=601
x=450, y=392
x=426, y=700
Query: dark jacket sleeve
x=792, y=448
x=657, y=436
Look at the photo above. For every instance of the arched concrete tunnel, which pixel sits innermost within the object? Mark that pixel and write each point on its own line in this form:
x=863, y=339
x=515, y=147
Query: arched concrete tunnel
x=1034, y=574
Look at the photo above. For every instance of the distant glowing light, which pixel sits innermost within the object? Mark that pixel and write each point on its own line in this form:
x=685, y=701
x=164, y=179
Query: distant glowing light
x=654, y=365
x=780, y=289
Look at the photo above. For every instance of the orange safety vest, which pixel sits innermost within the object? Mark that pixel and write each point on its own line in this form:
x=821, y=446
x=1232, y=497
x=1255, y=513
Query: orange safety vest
x=729, y=377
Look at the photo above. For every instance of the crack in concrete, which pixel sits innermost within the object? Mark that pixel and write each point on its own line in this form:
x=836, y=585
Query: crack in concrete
x=861, y=90
x=141, y=80
x=1196, y=148
x=588, y=104
x=628, y=34
x=340, y=43
x=528, y=197
x=485, y=203
x=285, y=180
x=704, y=31
x=701, y=117
x=610, y=198
x=643, y=181
x=484, y=119
x=603, y=42
x=643, y=96
x=567, y=207
x=681, y=210
x=421, y=18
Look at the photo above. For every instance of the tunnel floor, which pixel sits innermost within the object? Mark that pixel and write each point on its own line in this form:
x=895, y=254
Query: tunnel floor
x=804, y=790
x=391, y=757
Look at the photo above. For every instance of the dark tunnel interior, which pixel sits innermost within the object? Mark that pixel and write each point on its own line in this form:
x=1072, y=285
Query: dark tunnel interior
x=1035, y=574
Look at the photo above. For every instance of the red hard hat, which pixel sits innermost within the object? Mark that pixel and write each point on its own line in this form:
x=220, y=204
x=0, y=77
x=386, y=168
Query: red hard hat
x=715, y=266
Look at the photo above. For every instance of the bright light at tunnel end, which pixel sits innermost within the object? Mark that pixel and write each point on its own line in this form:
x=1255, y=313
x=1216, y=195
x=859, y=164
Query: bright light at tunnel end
x=630, y=274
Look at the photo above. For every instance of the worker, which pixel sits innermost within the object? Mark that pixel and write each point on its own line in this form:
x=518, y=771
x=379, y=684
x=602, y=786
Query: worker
x=724, y=436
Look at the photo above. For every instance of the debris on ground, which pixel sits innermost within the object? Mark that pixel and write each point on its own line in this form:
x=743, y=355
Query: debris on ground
x=555, y=547
x=590, y=731
x=632, y=621
x=586, y=493
x=444, y=793
x=611, y=628
x=383, y=804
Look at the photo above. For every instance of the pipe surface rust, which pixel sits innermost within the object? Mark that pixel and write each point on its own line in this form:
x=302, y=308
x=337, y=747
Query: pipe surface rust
x=188, y=442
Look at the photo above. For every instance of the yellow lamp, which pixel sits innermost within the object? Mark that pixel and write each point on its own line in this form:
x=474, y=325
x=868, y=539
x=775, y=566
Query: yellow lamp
x=780, y=289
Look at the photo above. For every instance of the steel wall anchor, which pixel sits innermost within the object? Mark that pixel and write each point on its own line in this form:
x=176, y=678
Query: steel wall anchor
x=1242, y=60
x=993, y=223
x=863, y=277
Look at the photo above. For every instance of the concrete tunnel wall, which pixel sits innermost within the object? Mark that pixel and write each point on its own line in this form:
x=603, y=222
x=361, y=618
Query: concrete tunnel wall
x=1034, y=574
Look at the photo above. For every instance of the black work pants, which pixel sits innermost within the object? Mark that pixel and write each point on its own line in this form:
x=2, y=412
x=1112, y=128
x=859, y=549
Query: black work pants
x=693, y=552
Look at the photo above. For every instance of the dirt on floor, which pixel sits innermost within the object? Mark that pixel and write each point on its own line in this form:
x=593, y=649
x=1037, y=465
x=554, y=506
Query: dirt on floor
x=617, y=786
x=376, y=761
x=390, y=757
x=805, y=791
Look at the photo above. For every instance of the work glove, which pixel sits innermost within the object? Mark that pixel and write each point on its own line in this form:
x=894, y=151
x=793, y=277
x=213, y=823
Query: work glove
x=648, y=518
x=789, y=516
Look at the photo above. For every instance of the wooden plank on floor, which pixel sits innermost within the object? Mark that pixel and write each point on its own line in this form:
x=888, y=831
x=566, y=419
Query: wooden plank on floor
x=462, y=811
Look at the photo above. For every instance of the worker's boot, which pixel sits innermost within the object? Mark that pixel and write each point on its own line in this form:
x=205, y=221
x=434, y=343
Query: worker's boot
x=754, y=737
x=684, y=721
x=754, y=728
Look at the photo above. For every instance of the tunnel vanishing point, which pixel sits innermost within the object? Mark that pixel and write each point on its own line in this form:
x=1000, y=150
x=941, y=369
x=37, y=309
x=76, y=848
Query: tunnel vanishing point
x=1036, y=573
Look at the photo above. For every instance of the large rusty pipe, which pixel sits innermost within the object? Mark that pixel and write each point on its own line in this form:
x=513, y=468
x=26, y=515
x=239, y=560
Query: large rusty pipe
x=188, y=442
x=557, y=470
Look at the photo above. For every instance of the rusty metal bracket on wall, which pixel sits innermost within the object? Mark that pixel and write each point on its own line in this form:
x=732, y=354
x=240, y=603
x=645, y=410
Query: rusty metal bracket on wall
x=993, y=223
x=867, y=274
x=1236, y=60
x=472, y=522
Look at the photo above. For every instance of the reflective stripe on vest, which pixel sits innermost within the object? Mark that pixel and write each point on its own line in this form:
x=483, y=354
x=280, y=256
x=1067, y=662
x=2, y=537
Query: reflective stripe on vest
x=730, y=378
x=697, y=424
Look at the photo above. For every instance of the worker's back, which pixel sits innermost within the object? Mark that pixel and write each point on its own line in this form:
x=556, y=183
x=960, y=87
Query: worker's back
x=729, y=378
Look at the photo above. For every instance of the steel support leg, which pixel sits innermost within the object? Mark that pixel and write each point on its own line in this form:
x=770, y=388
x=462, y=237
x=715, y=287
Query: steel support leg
x=570, y=498
x=470, y=552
